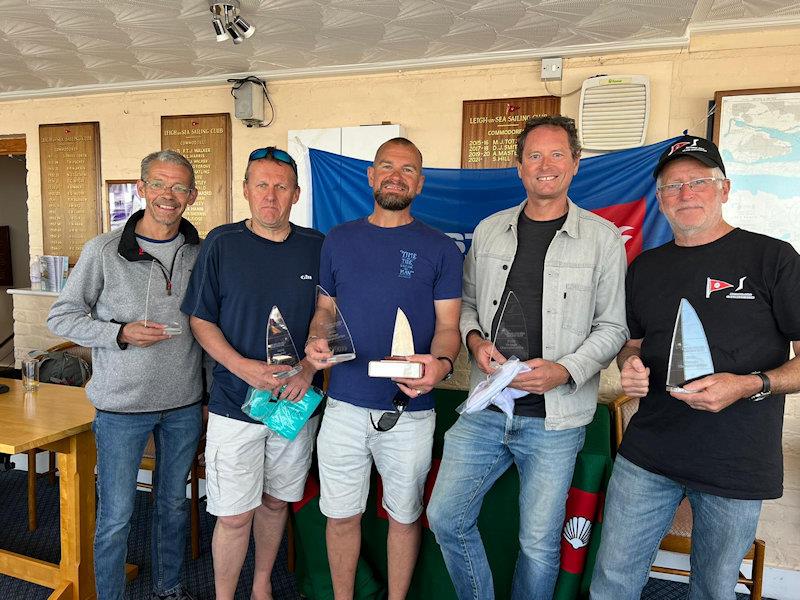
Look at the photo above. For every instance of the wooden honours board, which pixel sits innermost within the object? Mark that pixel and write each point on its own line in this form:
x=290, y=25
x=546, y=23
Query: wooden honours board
x=490, y=127
x=70, y=167
x=206, y=141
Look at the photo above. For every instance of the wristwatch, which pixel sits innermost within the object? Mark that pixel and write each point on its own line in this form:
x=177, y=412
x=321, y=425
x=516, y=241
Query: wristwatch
x=450, y=372
x=766, y=387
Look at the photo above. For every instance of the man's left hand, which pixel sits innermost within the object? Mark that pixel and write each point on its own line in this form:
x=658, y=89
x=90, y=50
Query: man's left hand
x=543, y=377
x=433, y=371
x=296, y=386
x=717, y=391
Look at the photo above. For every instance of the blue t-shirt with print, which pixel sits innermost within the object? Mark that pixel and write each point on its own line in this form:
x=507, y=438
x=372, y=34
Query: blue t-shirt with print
x=372, y=271
x=237, y=279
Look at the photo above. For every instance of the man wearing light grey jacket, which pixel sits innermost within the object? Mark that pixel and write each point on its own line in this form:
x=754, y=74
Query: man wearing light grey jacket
x=123, y=301
x=567, y=268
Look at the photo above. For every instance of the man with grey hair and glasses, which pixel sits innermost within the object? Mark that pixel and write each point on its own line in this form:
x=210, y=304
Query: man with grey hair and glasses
x=716, y=440
x=122, y=300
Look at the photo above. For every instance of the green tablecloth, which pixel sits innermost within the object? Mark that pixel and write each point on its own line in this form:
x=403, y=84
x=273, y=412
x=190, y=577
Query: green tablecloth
x=498, y=525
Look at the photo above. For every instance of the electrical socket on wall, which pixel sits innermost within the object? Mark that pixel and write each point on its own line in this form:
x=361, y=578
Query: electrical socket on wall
x=551, y=69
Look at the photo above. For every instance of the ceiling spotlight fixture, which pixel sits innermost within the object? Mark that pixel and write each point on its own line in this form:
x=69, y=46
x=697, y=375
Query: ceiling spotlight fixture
x=228, y=23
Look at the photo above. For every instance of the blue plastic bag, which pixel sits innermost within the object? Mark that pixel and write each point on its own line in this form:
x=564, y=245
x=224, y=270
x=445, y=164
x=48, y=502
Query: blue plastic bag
x=284, y=417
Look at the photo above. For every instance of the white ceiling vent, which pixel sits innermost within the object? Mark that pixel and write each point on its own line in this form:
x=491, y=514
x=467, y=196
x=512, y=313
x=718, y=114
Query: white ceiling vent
x=614, y=112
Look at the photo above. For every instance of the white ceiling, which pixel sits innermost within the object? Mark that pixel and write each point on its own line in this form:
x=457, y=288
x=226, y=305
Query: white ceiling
x=68, y=46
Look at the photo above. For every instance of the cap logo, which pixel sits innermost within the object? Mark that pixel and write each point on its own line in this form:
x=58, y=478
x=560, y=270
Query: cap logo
x=677, y=146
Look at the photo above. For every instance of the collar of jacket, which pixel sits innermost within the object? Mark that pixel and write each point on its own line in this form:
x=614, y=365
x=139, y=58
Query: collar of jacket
x=570, y=226
x=129, y=248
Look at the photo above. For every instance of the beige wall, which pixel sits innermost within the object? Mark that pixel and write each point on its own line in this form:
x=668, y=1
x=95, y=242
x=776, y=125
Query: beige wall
x=428, y=105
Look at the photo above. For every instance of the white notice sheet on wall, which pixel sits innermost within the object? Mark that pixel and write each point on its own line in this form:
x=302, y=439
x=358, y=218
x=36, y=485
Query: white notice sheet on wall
x=759, y=138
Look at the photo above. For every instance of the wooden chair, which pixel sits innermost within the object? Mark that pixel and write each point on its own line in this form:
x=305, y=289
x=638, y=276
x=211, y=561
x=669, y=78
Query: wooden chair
x=50, y=473
x=679, y=537
x=196, y=472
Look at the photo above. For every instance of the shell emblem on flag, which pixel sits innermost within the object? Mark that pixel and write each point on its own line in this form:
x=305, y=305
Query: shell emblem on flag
x=577, y=531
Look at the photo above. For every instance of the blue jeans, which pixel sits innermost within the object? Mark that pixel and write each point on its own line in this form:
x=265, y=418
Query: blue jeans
x=478, y=449
x=640, y=506
x=120, y=440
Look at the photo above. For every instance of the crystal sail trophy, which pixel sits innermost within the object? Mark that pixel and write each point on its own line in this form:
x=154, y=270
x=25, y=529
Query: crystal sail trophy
x=280, y=345
x=397, y=365
x=689, y=353
x=160, y=305
x=511, y=337
x=330, y=325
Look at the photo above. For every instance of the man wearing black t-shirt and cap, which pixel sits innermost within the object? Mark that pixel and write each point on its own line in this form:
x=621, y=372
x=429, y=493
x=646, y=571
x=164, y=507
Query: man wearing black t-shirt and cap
x=720, y=443
x=567, y=267
x=244, y=269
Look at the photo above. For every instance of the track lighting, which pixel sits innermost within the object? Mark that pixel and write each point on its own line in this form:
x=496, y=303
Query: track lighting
x=228, y=23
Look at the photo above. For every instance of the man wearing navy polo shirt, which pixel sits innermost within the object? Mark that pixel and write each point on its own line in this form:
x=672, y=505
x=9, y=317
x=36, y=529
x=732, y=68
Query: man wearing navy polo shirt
x=243, y=270
x=373, y=266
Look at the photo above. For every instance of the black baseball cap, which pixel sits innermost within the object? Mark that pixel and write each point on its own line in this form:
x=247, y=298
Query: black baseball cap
x=690, y=146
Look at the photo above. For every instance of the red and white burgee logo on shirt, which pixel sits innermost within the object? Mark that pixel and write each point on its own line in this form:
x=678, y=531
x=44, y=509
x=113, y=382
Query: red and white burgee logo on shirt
x=716, y=285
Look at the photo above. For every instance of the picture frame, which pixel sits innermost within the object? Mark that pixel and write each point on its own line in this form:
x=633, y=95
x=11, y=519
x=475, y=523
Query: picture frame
x=123, y=201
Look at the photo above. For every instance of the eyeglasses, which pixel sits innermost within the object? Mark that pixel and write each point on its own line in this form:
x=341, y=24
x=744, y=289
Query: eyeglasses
x=159, y=186
x=273, y=152
x=389, y=419
x=695, y=185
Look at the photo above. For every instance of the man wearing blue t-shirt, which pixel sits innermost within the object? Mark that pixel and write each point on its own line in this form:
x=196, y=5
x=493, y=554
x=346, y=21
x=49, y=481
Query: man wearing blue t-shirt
x=372, y=267
x=243, y=270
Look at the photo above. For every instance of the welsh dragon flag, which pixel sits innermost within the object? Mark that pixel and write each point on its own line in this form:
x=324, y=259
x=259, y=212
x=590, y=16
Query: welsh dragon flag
x=498, y=524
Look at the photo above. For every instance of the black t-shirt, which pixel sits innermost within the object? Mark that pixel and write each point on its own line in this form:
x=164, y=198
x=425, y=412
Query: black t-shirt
x=526, y=279
x=745, y=288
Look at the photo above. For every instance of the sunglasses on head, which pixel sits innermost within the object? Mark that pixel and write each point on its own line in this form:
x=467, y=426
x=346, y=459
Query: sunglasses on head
x=389, y=419
x=275, y=153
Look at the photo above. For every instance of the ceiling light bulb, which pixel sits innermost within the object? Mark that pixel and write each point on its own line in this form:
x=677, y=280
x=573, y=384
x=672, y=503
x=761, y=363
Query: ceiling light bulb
x=245, y=27
x=235, y=35
x=219, y=29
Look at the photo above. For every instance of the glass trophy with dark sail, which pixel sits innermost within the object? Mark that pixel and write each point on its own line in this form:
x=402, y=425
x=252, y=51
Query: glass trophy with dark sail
x=330, y=325
x=689, y=353
x=511, y=336
x=280, y=346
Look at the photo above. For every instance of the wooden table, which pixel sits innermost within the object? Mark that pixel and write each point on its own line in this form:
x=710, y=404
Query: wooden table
x=57, y=418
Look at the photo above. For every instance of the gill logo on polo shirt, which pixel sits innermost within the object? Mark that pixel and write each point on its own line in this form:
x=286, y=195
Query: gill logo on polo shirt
x=305, y=276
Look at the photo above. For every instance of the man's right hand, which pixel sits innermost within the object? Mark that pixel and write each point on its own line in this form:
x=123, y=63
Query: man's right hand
x=635, y=377
x=138, y=334
x=484, y=352
x=317, y=350
x=260, y=375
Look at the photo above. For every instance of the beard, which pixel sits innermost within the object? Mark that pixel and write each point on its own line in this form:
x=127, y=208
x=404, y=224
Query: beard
x=389, y=201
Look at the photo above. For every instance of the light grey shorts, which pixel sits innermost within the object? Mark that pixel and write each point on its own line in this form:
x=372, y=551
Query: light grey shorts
x=245, y=460
x=347, y=445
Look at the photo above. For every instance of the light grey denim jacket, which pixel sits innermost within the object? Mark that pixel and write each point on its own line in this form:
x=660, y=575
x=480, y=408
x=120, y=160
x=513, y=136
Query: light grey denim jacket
x=583, y=302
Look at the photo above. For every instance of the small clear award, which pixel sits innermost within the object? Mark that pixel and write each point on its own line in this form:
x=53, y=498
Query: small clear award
x=280, y=346
x=160, y=305
x=330, y=325
x=689, y=353
x=511, y=336
x=397, y=365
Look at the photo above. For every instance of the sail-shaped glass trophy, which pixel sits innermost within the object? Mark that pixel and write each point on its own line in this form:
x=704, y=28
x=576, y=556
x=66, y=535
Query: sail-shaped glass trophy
x=330, y=325
x=160, y=305
x=689, y=353
x=280, y=345
x=511, y=336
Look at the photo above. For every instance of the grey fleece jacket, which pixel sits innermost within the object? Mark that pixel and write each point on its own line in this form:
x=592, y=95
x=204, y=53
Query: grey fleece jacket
x=108, y=288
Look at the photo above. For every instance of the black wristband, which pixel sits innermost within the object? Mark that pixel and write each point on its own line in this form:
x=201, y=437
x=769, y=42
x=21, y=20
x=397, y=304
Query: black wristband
x=449, y=360
x=122, y=345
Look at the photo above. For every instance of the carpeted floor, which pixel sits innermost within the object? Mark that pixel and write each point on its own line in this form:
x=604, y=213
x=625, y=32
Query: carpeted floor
x=198, y=574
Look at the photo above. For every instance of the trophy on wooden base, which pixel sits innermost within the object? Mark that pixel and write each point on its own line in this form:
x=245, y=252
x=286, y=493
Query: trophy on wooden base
x=397, y=365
